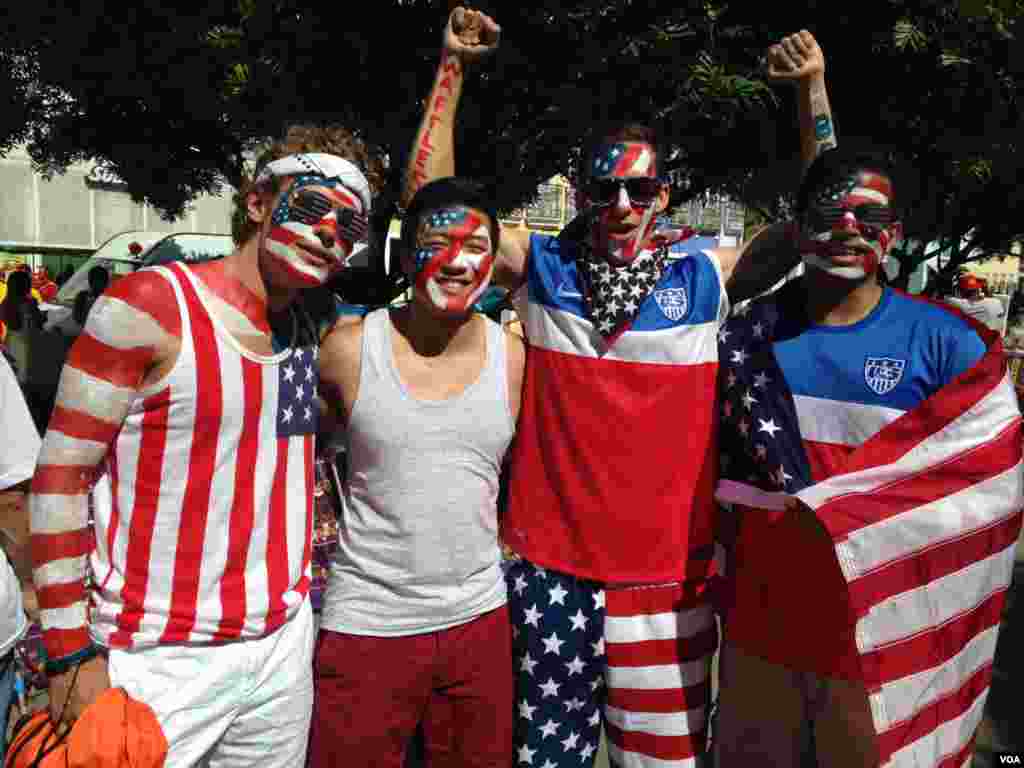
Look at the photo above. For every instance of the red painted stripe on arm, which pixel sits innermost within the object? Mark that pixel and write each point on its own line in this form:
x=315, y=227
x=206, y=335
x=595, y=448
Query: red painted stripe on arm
x=63, y=479
x=120, y=367
x=81, y=425
x=146, y=495
x=61, y=595
x=47, y=547
x=63, y=642
x=150, y=294
x=243, y=507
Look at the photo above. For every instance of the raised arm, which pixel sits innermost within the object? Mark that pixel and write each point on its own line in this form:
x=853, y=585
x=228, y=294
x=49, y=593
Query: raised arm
x=798, y=59
x=770, y=255
x=468, y=37
x=131, y=332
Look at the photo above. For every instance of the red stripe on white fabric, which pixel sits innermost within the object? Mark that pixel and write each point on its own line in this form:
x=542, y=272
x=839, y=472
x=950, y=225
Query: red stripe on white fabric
x=946, y=710
x=309, y=457
x=648, y=653
x=120, y=367
x=243, y=511
x=941, y=559
x=143, y=517
x=115, y=516
x=201, y=465
x=665, y=700
x=658, y=747
x=277, y=539
x=851, y=512
x=81, y=425
x=934, y=647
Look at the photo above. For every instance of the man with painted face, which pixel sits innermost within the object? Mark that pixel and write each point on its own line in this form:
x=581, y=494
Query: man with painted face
x=415, y=627
x=872, y=449
x=188, y=410
x=611, y=490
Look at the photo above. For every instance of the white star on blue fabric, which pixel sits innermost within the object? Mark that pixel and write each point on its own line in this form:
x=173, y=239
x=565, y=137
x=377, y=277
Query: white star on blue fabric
x=526, y=754
x=533, y=616
x=527, y=664
x=575, y=666
x=552, y=644
x=289, y=373
x=769, y=426
x=557, y=594
x=579, y=621
x=520, y=584
x=525, y=710
x=598, y=599
x=571, y=741
x=548, y=729
x=550, y=688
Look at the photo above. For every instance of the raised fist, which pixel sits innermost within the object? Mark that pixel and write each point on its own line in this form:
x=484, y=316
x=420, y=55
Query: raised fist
x=470, y=34
x=797, y=57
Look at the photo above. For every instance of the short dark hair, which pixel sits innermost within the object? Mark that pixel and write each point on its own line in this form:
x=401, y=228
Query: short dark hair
x=836, y=164
x=616, y=132
x=443, y=193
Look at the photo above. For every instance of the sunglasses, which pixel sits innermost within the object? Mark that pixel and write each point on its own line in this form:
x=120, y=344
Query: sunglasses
x=872, y=219
x=642, y=190
x=309, y=207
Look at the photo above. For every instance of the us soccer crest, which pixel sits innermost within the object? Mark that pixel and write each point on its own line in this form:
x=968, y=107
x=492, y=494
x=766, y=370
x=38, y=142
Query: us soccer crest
x=882, y=374
x=672, y=302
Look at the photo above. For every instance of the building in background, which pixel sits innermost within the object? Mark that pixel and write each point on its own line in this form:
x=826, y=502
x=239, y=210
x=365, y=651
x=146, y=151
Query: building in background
x=60, y=221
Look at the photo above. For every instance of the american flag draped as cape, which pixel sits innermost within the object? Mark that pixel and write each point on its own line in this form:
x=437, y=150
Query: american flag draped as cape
x=924, y=517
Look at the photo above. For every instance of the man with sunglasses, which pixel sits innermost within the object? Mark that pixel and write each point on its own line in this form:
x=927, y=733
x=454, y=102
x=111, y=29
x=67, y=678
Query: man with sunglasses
x=613, y=468
x=187, y=409
x=871, y=446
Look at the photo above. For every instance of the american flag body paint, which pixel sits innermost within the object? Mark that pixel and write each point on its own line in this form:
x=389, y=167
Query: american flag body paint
x=288, y=231
x=622, y=161
x=457, y=224
x=856, y=206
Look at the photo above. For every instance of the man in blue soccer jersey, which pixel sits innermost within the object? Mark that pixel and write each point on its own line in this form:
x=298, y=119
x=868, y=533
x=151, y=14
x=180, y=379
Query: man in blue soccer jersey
x=891, y=419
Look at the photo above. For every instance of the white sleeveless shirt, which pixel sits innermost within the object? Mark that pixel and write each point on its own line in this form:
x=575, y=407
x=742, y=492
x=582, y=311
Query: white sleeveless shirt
x=418, y=543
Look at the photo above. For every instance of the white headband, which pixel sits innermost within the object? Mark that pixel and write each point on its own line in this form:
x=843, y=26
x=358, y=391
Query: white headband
x=331, y=167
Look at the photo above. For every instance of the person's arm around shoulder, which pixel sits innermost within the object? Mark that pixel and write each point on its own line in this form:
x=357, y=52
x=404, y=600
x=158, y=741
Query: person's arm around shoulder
x=516, y=352
x=341, y=358
x=130, y=340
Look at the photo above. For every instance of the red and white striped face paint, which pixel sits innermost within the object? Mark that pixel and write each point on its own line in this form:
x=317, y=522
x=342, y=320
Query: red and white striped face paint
x=454, y=258
x=622, y=221
x=850, y=226
x=306, y=242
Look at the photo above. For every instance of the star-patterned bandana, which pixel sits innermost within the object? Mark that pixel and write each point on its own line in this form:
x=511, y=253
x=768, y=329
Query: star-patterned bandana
x=613, y=295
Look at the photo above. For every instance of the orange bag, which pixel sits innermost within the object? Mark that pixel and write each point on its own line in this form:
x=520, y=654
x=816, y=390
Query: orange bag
x=115, y=731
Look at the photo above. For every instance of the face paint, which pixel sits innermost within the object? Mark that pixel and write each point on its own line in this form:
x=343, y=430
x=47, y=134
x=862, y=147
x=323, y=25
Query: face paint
x=313, y=206
x=848, y=227
x=450, y=272
x=622, y=222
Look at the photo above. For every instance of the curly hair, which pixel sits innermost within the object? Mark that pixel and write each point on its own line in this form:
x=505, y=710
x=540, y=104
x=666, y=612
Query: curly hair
x=332, y=139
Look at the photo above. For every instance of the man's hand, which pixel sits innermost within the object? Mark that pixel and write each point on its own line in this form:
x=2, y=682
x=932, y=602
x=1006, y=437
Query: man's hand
x=470, y=35
x=92, y=680
x=797, y=57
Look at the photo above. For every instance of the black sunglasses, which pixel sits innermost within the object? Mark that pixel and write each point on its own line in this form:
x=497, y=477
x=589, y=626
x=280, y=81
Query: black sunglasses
x=642, y=190
x=869, y=216
x=309, y=206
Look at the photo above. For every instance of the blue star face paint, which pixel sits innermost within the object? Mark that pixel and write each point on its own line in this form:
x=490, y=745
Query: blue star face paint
x=454, y=258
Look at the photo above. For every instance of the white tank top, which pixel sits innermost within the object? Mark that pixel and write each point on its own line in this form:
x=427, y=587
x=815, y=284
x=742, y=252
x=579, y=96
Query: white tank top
x=418, y=539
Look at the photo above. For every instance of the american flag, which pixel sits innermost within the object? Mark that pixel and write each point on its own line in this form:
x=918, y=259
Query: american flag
x=296, y=403
x=924, y=516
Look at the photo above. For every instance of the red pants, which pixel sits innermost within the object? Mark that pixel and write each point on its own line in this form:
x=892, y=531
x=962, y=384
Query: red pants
x=371, y=692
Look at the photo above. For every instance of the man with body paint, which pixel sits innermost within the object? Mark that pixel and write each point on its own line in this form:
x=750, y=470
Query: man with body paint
x=611, y=506
x=188, y=410
x=812, y=378
x=415, y=627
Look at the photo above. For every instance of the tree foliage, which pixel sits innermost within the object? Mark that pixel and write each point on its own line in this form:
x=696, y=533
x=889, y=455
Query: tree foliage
x=171, y=96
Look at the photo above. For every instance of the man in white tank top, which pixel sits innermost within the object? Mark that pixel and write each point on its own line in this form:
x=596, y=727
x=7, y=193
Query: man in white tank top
x=190, y=395
x=415, y=627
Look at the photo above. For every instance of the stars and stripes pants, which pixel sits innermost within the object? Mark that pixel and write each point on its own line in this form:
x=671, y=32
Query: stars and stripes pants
x=635, y=659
